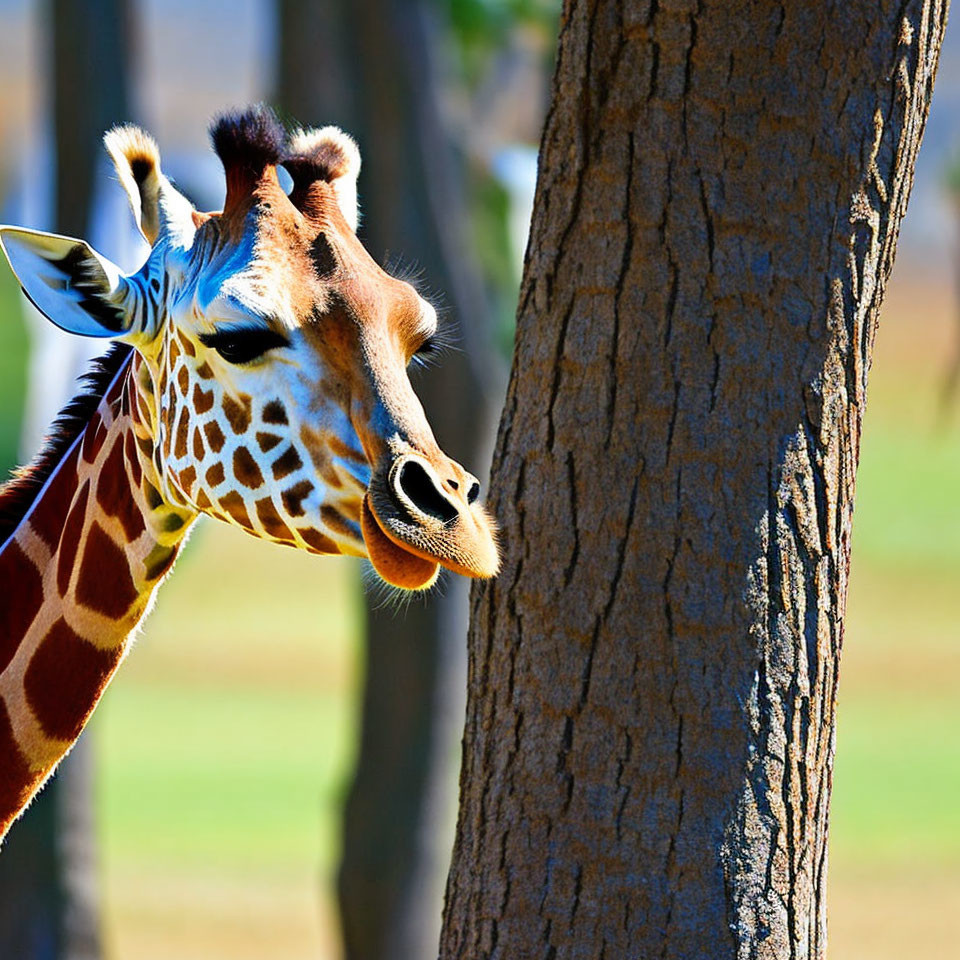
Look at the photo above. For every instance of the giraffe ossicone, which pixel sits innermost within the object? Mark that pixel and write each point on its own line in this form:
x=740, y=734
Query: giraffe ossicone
x=260, y=377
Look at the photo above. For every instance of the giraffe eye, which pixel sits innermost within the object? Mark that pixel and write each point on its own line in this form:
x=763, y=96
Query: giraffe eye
x=244, y=345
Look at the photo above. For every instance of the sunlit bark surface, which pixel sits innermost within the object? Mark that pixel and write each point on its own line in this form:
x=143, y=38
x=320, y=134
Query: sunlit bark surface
x=653, y=676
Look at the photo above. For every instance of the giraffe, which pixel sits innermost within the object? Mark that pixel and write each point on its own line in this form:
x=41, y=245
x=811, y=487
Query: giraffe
x=259, y=376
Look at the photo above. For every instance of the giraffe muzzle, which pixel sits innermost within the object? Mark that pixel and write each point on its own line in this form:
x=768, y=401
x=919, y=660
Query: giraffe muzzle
x=415, y=517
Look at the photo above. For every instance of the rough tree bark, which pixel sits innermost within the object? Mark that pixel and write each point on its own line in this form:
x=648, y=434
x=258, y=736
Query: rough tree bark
x=369, y=65
x=49, y=897
x=652, y=680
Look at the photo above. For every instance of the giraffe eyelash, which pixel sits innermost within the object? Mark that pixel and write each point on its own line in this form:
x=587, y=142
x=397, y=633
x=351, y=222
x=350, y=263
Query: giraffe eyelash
x=434, y=347
x=430, y=347
x=243, y=345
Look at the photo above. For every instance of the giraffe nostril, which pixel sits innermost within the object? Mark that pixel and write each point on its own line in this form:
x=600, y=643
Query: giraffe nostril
x=418, y=486
x=454, y=484
x=473, y=492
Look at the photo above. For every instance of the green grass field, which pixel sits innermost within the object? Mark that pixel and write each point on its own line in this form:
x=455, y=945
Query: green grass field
x=895, y=828
x=224, y=748
x=225, y=743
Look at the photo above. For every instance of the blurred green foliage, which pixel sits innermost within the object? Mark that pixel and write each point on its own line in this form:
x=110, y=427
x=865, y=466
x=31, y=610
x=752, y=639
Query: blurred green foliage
x=489, y=210
x=951, y=177
x=480, y=27
x=13, y=371
x=480, y=31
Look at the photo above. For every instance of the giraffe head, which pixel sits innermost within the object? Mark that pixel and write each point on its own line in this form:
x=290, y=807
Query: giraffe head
x=273, y=354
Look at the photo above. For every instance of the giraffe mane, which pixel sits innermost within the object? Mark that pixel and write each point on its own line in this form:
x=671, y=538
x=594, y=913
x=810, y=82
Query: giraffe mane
x=18, y=494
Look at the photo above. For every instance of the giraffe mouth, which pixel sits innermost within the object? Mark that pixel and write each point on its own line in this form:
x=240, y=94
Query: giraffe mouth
x=396, y=563
x=406, y=549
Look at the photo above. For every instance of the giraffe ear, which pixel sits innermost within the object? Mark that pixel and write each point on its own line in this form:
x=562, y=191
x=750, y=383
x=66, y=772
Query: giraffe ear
x=70, y=283
x=158, y=207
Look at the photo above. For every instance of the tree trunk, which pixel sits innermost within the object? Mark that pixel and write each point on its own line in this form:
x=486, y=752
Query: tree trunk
x=378, y=79
x=652, y=677
x=49, y=899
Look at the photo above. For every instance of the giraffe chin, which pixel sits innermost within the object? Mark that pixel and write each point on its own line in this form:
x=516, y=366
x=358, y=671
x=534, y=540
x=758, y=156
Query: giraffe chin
x=397, y=566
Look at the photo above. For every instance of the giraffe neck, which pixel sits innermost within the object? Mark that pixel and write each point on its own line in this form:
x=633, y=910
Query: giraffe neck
x=76, y=576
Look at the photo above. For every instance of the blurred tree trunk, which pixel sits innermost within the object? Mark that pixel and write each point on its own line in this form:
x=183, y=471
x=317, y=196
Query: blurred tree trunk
x=652, y=677
x=49, y=899
x=369, y=66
